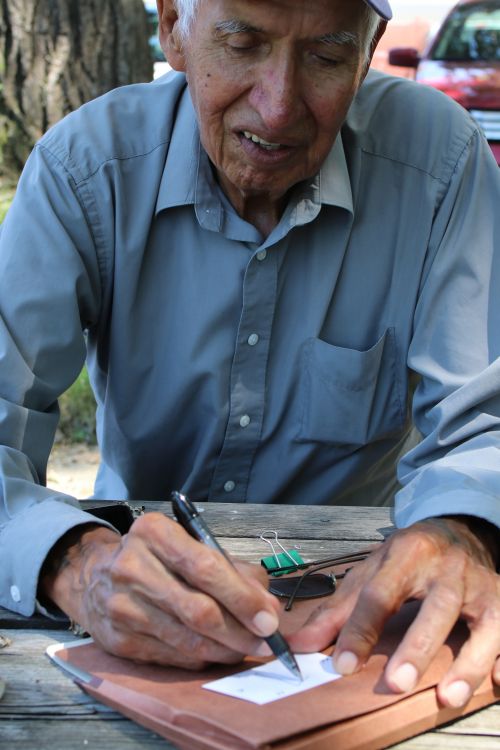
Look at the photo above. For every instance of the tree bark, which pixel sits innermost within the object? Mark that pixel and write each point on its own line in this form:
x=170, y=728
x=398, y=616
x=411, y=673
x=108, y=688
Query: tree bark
x=57, y=54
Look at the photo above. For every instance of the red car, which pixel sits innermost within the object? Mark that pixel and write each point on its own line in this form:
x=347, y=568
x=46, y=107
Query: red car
x=463, y=60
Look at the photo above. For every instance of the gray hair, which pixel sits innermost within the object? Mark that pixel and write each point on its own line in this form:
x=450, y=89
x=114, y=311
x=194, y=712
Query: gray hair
x=187, y=11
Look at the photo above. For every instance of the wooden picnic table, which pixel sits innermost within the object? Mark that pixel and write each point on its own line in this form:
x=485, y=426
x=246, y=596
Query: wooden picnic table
x=42, y=709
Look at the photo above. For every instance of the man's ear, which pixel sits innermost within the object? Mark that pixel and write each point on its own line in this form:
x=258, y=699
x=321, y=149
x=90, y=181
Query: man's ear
x=168, y=32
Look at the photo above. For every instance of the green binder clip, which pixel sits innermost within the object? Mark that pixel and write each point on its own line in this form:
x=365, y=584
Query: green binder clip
x=279, y=563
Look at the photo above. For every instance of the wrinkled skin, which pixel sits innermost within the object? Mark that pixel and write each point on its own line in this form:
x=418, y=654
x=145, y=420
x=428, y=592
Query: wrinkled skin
x=157, y=595
x=269, y=68
x=446, y=566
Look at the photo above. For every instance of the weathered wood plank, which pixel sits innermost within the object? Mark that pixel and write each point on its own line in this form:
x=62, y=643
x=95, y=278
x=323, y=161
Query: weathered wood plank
x=114, y=734
x=294, y=522
x=436, y=741
x=43, y=708
x=33, y=685
x=485, y=722
x=121, y=734
x=452, y=739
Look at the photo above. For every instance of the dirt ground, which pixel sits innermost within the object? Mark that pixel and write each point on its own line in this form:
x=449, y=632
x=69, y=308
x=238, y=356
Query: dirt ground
x=72, y=469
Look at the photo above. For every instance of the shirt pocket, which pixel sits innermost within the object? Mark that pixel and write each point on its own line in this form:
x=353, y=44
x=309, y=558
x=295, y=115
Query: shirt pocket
x=349, y=396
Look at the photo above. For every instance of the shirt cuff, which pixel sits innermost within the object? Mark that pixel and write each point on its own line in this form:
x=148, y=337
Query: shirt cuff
x=25, y=542
x=446, y=501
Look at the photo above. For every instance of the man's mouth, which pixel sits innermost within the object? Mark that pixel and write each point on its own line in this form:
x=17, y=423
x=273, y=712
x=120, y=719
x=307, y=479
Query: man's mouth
x=261, y=142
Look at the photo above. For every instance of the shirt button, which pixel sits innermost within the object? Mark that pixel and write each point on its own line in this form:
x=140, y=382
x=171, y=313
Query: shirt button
x=229, y=486
x=253, y=339
x=15, y=594
x=245, y=420
x=261, y=255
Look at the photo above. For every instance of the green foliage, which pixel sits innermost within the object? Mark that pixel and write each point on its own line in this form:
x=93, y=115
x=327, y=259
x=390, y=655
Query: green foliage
x=7, y=190
x=77, y=424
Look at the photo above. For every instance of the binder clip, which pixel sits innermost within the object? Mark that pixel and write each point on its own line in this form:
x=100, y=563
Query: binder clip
x=279, y=563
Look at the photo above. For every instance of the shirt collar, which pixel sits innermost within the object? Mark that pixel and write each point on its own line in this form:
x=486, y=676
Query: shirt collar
x=188, y=179
x=178, y=182
x=335, y=183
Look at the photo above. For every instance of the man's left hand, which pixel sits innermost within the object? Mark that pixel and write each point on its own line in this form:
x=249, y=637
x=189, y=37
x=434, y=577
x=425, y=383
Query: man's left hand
x=451, y=569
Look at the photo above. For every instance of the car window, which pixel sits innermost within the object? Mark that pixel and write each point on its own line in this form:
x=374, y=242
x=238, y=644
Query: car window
x=471, y=32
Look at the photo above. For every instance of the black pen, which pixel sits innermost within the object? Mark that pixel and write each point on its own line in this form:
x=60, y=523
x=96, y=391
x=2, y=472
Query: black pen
x=188, y=516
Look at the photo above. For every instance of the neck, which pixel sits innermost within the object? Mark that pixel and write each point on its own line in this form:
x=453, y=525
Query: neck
x=260, y=210
x=263, y=215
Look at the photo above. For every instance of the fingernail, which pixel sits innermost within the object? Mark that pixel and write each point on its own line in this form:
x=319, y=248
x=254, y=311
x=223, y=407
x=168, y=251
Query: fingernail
x=458, y=693
x=265, y=623
x=346, y=663
x=404, y=678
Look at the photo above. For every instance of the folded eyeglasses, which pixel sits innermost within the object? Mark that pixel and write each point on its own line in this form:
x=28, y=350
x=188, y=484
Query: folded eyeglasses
x=312, y=584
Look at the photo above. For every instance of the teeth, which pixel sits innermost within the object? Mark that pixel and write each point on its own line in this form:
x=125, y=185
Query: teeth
x=261, y=141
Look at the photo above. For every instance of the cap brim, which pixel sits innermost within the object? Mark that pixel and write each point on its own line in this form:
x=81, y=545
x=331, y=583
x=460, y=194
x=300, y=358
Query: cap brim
x=381, y=7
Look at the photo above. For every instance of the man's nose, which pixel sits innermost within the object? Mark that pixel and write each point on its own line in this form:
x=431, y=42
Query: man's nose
x=276, y=94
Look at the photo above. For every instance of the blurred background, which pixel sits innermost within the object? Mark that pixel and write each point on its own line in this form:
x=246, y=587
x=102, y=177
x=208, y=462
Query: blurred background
x=413, y=25
x=57, y=54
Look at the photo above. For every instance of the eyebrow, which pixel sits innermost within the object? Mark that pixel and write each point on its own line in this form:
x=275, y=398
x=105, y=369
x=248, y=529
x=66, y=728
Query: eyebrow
x=335, y=39
x=234, y=26
x=340, y=38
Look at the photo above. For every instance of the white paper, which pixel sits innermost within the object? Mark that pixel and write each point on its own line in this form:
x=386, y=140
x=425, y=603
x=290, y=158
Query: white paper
x=272, y=681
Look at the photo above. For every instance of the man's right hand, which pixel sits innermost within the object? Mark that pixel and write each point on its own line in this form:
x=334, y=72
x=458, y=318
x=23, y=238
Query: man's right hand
x=157, y=595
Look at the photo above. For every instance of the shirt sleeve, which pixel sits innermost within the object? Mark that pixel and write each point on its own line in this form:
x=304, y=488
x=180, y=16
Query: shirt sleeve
x=455, y=347
x=49, y=294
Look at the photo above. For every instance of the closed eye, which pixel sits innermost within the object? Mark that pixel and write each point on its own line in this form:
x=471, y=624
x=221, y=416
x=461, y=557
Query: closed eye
x=328, y=61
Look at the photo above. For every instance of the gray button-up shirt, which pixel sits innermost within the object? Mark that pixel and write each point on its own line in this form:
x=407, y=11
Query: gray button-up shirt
x=246, y=368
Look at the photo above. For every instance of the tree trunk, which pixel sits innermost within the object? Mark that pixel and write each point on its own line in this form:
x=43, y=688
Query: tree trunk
x=57, y=54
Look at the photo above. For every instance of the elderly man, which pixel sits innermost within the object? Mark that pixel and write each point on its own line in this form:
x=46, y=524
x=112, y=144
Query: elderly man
x=266, y=255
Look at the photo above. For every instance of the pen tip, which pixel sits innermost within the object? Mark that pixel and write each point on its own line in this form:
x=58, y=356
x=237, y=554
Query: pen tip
x=294, y=668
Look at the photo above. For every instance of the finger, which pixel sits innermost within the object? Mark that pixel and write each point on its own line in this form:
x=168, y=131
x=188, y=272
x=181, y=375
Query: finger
x=160, y=606
x=199, y=613
x=325, y=622
x=478, y=656
x=432, y=625
x=207, y=570
x=202, y=606
x=383, y=587
x=190, y=653
x=254, y=574
x=318, y=632
x=149, y=599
